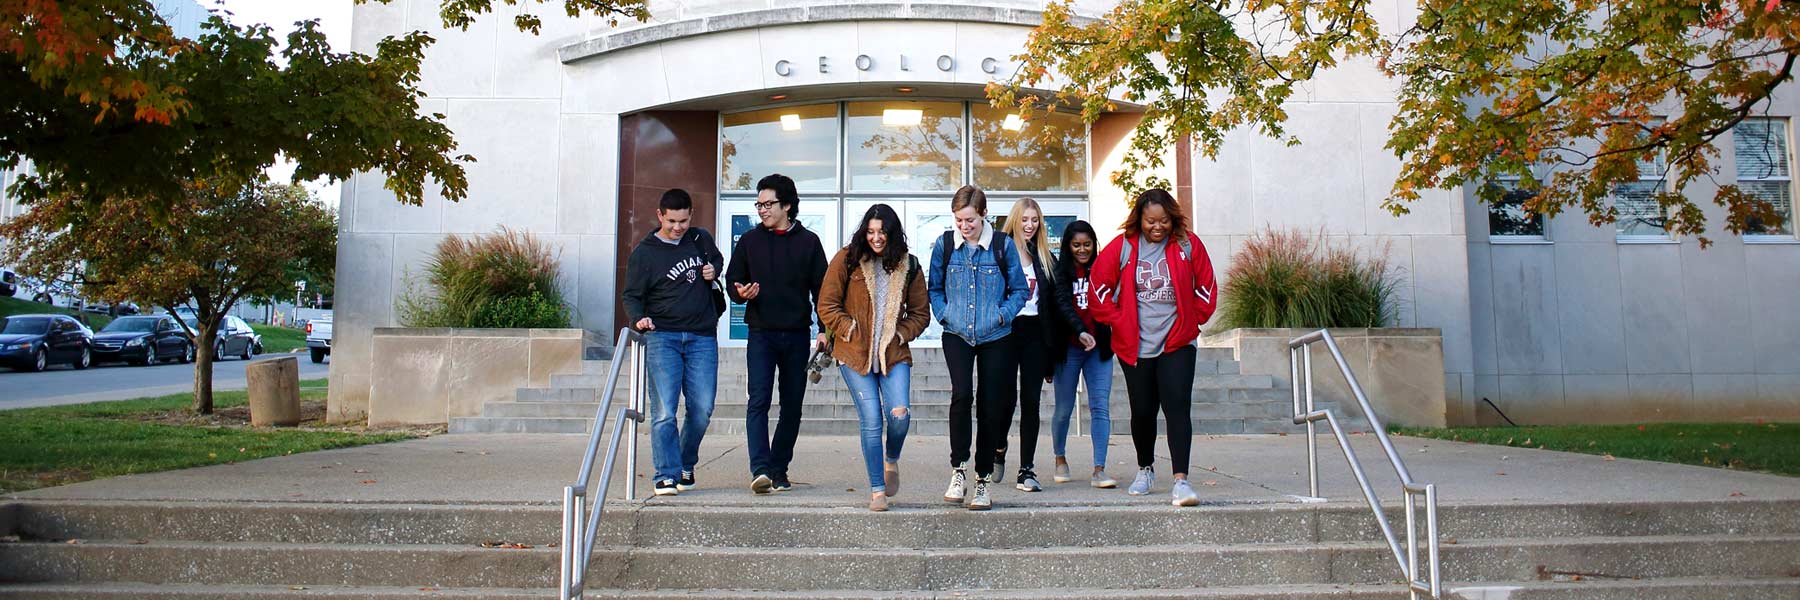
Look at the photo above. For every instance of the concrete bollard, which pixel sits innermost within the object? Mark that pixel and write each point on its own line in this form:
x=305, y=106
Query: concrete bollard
x=274, y=386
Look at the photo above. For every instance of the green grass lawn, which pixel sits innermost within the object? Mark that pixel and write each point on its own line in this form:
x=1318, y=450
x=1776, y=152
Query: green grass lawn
x=280, y=340
x=1767, y=447
x=21, y=306
x=42, y=447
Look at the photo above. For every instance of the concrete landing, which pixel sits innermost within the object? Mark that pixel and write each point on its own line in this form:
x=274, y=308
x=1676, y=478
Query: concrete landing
x=532, y=468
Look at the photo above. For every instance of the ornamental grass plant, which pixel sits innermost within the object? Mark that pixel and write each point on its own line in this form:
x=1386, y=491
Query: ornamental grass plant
x=504, y=279
x=1294, y=279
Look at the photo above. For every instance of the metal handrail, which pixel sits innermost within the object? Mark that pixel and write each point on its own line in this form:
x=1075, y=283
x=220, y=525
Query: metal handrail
x=578, y=529
x=1298, y=357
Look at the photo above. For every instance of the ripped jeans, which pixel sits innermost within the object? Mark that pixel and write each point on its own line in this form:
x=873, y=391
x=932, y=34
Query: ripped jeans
x=873, y=393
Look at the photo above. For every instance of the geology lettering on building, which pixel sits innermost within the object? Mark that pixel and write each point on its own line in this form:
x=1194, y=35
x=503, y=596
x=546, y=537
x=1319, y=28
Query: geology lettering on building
x=864, y=62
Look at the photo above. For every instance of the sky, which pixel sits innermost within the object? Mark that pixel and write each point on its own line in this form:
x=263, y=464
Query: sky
x=334, y=20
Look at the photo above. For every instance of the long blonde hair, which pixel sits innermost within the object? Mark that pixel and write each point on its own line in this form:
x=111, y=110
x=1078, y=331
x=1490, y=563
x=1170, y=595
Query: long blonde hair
x=1042, y=239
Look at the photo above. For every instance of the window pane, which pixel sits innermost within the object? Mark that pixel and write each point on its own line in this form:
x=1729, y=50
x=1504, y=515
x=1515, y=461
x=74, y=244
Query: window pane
x=1777, y=193
x=905, y=146
x=1507, y=216
x=1639, y=214
x=1048, y=153
x=797, y=141
x=1761, y=149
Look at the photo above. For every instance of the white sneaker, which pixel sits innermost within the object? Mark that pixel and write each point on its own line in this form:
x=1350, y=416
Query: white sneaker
x=1103, y=481
x=980, y=500
x=1183, y=494
x=1140, y=486
x=959, y=485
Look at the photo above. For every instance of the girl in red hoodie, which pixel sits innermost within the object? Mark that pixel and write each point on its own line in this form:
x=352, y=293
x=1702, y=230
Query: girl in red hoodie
x=1154, y=286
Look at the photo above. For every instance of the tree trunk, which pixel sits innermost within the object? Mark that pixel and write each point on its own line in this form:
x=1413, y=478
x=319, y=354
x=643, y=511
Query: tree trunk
x=205, y=336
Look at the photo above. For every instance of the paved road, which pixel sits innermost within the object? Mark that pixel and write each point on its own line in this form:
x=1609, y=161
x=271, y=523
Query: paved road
x=117, y=381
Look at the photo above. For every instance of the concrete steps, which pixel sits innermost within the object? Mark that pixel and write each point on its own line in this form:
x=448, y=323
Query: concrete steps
x=1225, y=402
x=1716, y=549
x=1672, y=589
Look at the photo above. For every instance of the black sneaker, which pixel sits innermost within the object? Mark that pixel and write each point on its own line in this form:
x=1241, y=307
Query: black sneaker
x=1028, y=481
x=666, y=487
x=782, y=484
x=687, y=481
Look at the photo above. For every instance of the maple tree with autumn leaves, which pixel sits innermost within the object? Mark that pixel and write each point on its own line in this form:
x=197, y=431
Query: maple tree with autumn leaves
x=1571, y=98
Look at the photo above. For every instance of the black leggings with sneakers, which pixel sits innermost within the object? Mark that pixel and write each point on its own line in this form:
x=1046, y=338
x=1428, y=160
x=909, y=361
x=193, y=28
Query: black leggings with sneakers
x=1166, y=384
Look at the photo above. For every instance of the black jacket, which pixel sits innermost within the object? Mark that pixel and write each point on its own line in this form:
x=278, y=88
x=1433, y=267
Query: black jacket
x=1069, y=323
x=789, y=267
x=663, y=282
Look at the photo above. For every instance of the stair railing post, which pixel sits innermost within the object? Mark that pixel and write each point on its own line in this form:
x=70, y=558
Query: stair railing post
x=1312, y=433
x=636, y=402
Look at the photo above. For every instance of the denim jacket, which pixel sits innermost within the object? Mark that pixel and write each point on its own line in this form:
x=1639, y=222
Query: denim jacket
x=971, y=298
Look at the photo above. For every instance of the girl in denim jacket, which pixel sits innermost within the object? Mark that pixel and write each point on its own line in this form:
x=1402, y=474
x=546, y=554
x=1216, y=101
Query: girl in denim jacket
x=976, y=286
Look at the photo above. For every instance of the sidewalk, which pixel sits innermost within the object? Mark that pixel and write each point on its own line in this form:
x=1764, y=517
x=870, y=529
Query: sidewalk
x=828, y=471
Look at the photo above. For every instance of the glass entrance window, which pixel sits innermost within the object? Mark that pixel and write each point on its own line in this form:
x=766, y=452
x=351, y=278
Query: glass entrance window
x=909, y=154
x=1046, y=153
x=800, y=142
x=903, y=146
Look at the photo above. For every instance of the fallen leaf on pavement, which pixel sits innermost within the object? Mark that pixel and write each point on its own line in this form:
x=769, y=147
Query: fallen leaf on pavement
x=1737, y=494
x=1607, y=457
x=1209, y=482
x=368, y=481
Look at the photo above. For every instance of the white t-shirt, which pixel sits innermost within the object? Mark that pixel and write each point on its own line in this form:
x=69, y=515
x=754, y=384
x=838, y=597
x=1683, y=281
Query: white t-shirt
x=1031, y=283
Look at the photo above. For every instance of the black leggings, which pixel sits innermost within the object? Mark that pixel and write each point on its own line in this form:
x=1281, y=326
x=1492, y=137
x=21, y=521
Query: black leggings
x=1163, y=383
x=993, y=414
x=1034, y=363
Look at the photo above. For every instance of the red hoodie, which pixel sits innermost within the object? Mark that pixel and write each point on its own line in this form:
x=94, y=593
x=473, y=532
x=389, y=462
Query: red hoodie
x=1113, y=299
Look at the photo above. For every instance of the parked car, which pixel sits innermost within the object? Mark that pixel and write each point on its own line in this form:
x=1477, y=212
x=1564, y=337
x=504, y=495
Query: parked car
x=124, y=308
x=34, y=342
x=9, y=284
x=234, y=337
x=318, y=338
x=142, y=341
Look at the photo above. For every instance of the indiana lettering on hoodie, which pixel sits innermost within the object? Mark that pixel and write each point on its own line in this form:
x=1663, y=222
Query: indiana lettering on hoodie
x=663, y=282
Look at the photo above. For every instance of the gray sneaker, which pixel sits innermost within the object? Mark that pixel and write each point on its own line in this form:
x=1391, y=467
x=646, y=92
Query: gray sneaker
x=1103, y=481
x=959, y=486
x=1183, y=494
x=1061, y=474
x=1140, y=486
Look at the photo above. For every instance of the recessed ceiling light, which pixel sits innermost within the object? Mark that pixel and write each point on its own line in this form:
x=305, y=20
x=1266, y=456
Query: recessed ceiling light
x=902, y=116
x=1013, y=123
x=904, y=90
x=790, y=122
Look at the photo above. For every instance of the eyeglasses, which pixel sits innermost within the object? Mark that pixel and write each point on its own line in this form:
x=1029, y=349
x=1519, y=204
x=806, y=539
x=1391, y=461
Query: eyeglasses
x=766, y=205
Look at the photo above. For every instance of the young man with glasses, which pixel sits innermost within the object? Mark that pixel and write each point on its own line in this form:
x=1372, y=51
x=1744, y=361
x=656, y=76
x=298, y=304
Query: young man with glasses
x=776, y=269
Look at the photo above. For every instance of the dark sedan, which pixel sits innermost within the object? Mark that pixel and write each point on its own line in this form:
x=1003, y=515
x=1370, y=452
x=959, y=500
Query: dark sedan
x=142, y=341
x=34, y=342
x=234, y=338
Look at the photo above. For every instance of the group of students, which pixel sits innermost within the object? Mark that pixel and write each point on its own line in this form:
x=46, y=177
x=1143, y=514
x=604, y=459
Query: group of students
x=1014, y=317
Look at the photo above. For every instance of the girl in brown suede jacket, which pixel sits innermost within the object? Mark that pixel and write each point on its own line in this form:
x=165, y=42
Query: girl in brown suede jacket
x=873, y=303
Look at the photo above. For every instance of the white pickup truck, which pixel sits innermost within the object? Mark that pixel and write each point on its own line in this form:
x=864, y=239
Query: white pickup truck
x=318, y=338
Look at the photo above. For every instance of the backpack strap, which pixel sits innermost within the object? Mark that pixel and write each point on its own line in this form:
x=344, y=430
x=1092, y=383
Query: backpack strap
x=1000, y=258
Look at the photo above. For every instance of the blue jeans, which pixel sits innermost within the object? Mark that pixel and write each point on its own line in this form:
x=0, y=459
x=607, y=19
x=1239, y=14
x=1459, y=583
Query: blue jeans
x=776, y=359
x=874, y=393
x=680, y=363
x=1098, y=372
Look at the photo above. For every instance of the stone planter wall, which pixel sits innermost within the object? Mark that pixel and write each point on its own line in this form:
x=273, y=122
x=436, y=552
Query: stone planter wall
x=426, y=376
x=1401, y=370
